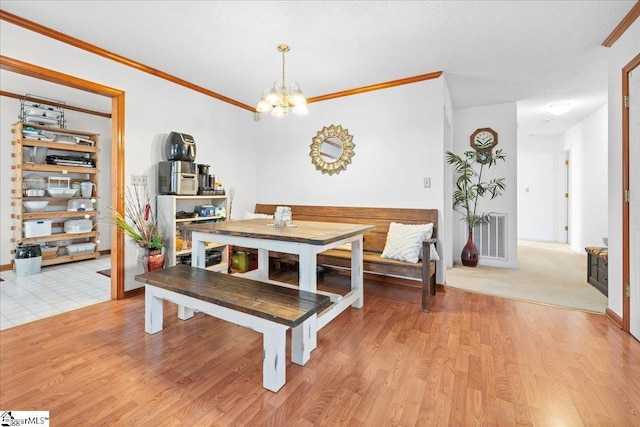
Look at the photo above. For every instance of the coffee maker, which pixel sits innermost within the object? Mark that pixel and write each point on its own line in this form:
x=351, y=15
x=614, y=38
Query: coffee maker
x=205, y=180
x=178, y=174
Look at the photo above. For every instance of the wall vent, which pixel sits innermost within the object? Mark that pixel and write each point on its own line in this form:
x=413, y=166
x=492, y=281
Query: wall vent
x=490, y=238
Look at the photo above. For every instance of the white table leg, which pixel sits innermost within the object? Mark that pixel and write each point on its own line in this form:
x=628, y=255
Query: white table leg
x=152, y=311
x=301, y=340
x=357, y=275
x=274, y=359
x=263, y=263
x=307, y=266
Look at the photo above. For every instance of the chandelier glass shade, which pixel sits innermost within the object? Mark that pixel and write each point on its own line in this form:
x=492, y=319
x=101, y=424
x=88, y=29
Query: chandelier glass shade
x=278, y=99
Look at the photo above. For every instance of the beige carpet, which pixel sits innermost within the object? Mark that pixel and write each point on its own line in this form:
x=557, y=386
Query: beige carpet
x=549, y=273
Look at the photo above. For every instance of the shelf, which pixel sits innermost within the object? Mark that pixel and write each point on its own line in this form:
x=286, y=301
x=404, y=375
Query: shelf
x=58, y=236
x=209, y=246
x=41, y=167
x=54, y=199
x=57, y=214
x=223, y=267
x=201, y=219
x=59, y=145
x=57, y=130
x=68, y=258
x=200, y=196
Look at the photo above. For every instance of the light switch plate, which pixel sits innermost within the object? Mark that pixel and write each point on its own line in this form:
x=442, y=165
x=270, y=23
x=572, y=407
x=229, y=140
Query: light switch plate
x=427, y=183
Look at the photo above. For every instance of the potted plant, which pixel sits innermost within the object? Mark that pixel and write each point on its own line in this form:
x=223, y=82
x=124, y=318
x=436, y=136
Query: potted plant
x=469, y=189
x=139, y=224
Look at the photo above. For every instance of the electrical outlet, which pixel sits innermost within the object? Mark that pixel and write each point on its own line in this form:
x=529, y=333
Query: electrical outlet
x=427, y=183
x=138, y=180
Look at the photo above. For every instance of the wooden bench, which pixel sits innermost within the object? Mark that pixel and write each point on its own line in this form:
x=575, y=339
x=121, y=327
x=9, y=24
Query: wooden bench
x=374, y=241
x=265, y=308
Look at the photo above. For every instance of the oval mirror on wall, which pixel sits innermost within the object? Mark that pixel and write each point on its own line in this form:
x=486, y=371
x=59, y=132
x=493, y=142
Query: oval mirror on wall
x=332, y=149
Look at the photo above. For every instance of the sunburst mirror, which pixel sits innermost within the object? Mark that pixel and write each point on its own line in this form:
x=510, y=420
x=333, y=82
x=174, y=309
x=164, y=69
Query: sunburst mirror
x=332, y=149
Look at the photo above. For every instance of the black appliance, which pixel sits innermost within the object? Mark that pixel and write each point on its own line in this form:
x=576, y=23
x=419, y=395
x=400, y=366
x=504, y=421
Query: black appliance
x=211, y=257
x=180, y=146
x=176, y=177
x=206, y=181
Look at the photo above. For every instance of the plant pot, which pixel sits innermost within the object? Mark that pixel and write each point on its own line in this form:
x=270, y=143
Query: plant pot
x=469, y=254
x=152, y=260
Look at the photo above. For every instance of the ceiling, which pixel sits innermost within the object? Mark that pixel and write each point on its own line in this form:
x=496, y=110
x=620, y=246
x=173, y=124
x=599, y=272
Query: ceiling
x=530, y=52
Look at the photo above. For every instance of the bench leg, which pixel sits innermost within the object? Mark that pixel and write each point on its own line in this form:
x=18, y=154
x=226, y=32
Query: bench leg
x=274, y=357
x=152, y=312
x=304, y=340
x=184, y=313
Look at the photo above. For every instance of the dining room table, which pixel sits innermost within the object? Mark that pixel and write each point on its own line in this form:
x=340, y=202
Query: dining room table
x=303, y=238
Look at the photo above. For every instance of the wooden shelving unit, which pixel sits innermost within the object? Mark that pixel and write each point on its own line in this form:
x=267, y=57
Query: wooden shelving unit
x=56, y=209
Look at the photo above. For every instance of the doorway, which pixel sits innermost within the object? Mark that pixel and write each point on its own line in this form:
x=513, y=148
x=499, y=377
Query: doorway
x=631, y=266
x=117, y=147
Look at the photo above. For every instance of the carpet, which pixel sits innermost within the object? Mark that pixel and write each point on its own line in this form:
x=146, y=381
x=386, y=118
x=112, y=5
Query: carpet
x=549, y=273
x=106, y=272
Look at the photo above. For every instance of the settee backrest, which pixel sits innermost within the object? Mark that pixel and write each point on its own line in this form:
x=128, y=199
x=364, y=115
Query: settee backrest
x=380, y=217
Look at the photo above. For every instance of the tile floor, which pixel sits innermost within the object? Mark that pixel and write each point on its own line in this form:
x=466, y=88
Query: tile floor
x=56, y=289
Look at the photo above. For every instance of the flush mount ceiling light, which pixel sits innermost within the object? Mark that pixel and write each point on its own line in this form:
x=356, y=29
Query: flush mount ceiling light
x=559, y=108
x=278, y=99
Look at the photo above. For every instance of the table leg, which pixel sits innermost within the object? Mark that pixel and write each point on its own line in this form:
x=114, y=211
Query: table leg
x=307, y=266
x=357, y=275
x=152, y=311
x=263, y=263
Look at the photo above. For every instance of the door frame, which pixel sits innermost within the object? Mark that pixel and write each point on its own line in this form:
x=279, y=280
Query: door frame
x=626, y=269
x=117, y=149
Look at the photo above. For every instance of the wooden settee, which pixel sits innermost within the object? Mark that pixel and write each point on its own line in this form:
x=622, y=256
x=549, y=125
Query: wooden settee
x=374, y=241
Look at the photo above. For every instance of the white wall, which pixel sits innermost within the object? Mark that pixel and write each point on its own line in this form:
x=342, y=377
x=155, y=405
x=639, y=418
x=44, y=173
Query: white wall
x=620, y=54
x=225, y=135
x=399, y=140
x=540, y=189
x=588, y=144
x=502, y=118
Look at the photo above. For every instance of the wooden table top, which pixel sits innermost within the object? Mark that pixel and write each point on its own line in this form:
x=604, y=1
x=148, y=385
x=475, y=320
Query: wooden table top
x=311, y=232
x=276, y=303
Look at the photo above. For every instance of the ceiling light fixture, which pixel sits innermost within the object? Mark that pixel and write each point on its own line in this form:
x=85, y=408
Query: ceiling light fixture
x=278, y=99
x=559, y=108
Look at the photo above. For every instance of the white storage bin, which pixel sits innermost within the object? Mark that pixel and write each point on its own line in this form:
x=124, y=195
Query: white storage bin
x=78, y=226
x=37, y=228
x=81, y=248
x=80, y=205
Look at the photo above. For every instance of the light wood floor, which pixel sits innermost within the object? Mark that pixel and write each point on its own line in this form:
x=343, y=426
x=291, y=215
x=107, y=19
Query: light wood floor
x=474, y=360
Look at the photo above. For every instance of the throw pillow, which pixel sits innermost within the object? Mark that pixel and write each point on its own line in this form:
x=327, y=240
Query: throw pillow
x=404, y=241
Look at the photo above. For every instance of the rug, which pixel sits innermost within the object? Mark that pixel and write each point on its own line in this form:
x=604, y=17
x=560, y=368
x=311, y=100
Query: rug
x=549, y=273
x=106, y=272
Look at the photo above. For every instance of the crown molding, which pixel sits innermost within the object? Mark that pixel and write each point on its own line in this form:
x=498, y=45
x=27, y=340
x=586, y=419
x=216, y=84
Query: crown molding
x=57, y=35
x=626, y=22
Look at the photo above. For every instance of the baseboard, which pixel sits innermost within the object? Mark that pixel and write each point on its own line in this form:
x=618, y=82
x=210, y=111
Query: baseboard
x=134, y=292
x=614, y=317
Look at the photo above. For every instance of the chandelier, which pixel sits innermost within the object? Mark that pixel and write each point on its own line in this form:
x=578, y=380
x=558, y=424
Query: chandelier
x=278, y=99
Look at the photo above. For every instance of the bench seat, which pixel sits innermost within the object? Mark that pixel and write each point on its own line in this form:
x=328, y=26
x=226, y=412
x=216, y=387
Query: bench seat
x=266, y=308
